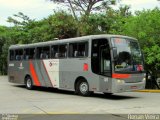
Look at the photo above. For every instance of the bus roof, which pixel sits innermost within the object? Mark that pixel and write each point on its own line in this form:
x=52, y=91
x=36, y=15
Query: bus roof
x=63, y=41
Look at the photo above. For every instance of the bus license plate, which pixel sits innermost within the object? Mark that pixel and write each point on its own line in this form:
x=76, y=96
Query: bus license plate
x=133, y=87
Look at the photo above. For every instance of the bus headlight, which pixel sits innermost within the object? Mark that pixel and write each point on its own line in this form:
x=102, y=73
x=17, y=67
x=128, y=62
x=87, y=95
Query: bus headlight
x=144, y=79
x=120, y=81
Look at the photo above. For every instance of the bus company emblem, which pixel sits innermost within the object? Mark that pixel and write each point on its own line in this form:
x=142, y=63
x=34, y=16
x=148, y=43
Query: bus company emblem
x=50, y=63
x=21, y=66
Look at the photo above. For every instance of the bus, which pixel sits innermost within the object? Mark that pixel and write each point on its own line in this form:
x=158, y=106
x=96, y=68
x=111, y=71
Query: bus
x=96, y=63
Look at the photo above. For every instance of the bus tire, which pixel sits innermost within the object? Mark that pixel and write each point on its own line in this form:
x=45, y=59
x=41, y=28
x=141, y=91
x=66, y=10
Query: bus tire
x=82, y=88
x=107, y=94
x=29, y=83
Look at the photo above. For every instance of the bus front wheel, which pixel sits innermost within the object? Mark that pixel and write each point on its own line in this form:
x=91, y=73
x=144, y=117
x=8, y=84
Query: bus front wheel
x=107, y=94
x=29, y=83
x=82, y=88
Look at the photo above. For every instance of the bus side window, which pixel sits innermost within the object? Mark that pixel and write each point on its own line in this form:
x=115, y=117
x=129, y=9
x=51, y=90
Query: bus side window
x=62, y=51
x=12, y=57
x=78, y=49
x=39, y=52
x=26, y=54
x=75, y=53
x=29, y=54
x=46, y=52
x=56, y=55
x=43, y=52
x=19, y=54
x=73, y=50
x=83, y=49
x=54, y=51
x=32, y=53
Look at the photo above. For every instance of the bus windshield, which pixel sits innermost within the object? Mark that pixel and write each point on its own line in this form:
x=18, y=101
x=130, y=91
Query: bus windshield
x=129, y=56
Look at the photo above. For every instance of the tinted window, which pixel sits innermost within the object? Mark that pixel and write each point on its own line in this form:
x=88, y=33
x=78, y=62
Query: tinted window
x=54, y=51
x=62, y=51
x=59, y=51
x=19, y=54
x=78, y=49
x=73, y=50
x=43, y=52
x=12, y=57
x=29, y=53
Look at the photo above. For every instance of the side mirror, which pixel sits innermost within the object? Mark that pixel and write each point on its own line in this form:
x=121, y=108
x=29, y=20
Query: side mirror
x=115, y=53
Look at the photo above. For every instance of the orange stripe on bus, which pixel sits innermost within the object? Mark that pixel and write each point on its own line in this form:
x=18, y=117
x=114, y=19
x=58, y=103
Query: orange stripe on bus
x=115, y=75
x=34, y=74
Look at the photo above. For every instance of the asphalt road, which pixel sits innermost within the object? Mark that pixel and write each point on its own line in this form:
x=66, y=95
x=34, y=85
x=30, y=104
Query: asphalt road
x=16, y=99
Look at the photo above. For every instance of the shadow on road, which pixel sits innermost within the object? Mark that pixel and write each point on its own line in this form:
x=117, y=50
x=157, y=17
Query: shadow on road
x=93, y=95
x=114, y=96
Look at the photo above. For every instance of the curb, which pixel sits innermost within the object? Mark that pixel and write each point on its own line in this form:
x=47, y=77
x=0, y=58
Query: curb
x=148, y=90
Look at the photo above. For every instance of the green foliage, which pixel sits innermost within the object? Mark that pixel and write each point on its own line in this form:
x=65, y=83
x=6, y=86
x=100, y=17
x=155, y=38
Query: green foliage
x=3, y=60
x=90, y=25
x=39, y=31
x=63, y=25
x=143, y=25
x=110, y=21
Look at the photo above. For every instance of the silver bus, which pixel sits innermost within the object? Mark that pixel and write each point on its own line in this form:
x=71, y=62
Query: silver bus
x=95, y=63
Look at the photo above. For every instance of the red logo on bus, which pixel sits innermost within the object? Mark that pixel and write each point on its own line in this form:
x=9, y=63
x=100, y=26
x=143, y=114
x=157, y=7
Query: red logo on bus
x=85, y=67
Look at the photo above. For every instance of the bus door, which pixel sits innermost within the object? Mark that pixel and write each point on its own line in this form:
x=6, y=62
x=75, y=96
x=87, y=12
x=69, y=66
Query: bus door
x=105, y=62
x=105, y=68
x=101, y=62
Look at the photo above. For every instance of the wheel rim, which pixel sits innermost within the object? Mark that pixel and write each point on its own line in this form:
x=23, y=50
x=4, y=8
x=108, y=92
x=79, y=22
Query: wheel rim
x=83, y=87
x=29, y=83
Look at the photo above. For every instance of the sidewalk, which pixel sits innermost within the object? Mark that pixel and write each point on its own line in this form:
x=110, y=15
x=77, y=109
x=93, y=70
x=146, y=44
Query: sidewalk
x=149, y=90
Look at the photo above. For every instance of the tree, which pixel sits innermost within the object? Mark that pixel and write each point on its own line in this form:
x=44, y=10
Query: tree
x=109, y=22
x=3, y=57
x=85, y=6
x=63, y=25
x=22, y=24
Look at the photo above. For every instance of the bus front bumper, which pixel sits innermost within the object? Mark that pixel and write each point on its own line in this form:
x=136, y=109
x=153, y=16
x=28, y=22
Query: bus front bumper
x=121, y=86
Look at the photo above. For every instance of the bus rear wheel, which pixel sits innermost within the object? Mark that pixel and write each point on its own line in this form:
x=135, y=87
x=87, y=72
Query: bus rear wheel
x=82, y=88
x=29, y=83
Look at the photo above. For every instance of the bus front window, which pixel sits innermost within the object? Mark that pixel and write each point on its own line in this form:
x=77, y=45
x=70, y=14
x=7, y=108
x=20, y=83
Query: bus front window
x=129, y=57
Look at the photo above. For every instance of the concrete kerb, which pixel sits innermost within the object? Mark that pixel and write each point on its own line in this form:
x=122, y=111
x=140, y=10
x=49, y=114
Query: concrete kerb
x=148, y=90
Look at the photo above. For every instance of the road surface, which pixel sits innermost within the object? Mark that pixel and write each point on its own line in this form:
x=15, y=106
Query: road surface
x=16, y=99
